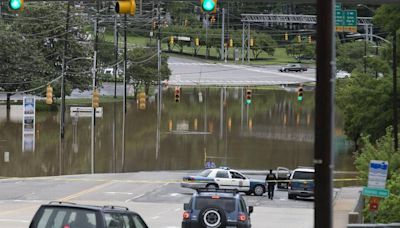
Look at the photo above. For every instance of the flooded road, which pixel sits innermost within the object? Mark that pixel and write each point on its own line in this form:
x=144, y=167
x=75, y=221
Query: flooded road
x=208, y=124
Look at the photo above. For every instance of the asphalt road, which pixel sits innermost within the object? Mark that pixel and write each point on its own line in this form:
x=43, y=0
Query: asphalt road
x=157, y=196
x=194, y=72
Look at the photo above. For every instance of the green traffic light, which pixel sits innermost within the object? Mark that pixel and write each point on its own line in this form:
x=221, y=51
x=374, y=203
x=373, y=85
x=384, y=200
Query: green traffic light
x=300, y=98
x=208, y=5
x=15, y=4
x=248, y=102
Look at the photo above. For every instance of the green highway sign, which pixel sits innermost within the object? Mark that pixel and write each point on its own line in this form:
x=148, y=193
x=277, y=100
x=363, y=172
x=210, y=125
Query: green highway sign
x=338, y=6
x=346, y=20
x=377, y=192
x=350, y=18
x=339, y=18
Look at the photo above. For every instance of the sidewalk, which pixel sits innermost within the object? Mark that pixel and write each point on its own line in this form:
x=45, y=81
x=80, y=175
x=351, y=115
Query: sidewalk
x=344, y=202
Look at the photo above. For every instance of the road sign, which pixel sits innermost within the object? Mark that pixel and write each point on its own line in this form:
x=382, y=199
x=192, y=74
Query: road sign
x=376, y=192
x=377, y=174
x=339, y=20
x=350, y=21
x=85, y=111
x=338, y=6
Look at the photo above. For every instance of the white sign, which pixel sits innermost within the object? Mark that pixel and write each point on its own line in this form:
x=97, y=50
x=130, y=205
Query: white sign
x=85, y=112
x=28, y=124
x=6, y=156
x=377, y=174
x=184, y=38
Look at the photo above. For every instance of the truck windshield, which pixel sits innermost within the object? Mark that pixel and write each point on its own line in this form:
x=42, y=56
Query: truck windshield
x=301, y=175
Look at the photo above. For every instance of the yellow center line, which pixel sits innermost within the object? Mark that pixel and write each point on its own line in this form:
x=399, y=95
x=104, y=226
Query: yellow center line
x=86, y=191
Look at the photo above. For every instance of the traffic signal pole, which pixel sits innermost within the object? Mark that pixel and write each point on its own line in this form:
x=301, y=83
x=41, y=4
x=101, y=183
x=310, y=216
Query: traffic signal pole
x=324, y=114
x=94, y=71
x=159, y=80
x=222, y=34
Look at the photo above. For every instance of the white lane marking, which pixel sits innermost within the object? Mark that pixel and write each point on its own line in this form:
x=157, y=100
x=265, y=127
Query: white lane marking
x=122, y=193
x=126, y=201
x=174, y=194
x=15, y=220
x=177, y=209
x=155, y=217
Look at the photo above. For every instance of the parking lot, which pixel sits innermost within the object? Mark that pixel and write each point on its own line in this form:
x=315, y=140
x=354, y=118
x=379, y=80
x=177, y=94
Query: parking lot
x=157, y=196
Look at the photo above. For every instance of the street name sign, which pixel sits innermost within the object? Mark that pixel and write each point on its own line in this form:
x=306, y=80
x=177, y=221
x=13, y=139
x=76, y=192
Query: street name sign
x=375, y=192
x=377, y=174
x=85, y=112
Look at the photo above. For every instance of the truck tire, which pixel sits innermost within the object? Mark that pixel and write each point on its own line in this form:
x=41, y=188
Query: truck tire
x=259, y=190
x=212, y=217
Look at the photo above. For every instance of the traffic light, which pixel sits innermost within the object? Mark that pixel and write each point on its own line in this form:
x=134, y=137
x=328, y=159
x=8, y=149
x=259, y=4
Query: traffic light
x=251, y=42
x=300, y=94
x=248, y=96
x=286, y=36
x=208, y=5
x=196, y=41
x=298, y=39
x=230, y=42
x=49, y=95
x=95, y=98
x=142, y=100
x=16, y=4
x=177, y=94
x=309, y=40
x=125, y=7
x=213, y=20
x=154, y=25
x=171, y=40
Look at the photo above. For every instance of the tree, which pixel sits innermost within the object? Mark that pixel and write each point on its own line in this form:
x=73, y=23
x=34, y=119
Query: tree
x=36, y=53
x=388, y=16
x=263, y=43
x=382, y=149
x=366, y=103
x=143, y=65
x=300, y=50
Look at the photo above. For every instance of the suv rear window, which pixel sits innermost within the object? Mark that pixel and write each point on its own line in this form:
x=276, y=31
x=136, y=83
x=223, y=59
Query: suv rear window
x=303, y=175
x=61, y=216
x=228, y=204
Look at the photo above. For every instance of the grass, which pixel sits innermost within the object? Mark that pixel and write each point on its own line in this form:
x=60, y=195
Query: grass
x=280, y=57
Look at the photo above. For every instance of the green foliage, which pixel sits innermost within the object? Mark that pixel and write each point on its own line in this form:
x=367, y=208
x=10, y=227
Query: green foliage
x=388, y=17
x=301, y=50
x=263, y=43
x=366, y=102
x=389, y=209
x=33, y=47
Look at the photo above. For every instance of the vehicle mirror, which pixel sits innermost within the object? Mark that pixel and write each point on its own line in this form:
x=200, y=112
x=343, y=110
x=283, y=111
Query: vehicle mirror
x=251, y=209
x=186, y=206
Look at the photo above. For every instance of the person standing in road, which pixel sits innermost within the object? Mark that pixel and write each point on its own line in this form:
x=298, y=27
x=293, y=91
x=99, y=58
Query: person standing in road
x=270, y=182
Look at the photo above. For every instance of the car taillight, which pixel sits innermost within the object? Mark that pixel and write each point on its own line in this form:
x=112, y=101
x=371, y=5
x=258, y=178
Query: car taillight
x=242, y=217
x=289, y=184
x=66, y=226
x=186, y=215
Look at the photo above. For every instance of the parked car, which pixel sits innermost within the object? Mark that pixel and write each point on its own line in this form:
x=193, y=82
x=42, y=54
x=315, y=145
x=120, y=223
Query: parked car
x=282, y=176
x=71, y=215
x=224, y=178
x=301, y=183
x=342, y=74
x=216, y=208
x=293, y=67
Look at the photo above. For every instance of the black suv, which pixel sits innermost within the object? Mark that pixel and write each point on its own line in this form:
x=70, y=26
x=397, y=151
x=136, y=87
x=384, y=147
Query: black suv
x=71, y=215
x=210, y=208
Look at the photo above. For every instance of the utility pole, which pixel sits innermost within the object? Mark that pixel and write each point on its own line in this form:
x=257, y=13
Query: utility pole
x=116, y=54
x=324, y=114
x=365, y=48
x=222, y=34
x=395, y=105
x=124, y=97
x=207, y=24
x=94, y=70
x=159, y=80
x=64, y=63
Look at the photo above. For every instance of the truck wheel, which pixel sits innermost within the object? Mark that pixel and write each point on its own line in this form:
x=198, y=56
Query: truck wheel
x=259, y=190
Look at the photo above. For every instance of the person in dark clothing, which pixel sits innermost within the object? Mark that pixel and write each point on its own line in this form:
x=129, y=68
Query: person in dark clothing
x=270, y=182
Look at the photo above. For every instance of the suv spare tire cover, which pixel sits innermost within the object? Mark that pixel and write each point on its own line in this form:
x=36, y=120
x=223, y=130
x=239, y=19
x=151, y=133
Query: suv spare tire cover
x=212, y=217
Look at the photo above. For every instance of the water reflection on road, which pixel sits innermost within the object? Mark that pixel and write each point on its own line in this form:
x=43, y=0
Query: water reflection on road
x=208, y=124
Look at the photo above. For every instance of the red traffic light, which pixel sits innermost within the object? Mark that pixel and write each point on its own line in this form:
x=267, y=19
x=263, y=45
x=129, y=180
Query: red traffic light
x=177, y=94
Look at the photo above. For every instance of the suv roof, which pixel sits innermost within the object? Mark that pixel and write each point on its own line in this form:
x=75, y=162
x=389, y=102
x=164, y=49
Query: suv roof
x=91, y=207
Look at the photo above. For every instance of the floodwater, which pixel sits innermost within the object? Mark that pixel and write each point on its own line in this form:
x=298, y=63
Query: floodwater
x=208, y=124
